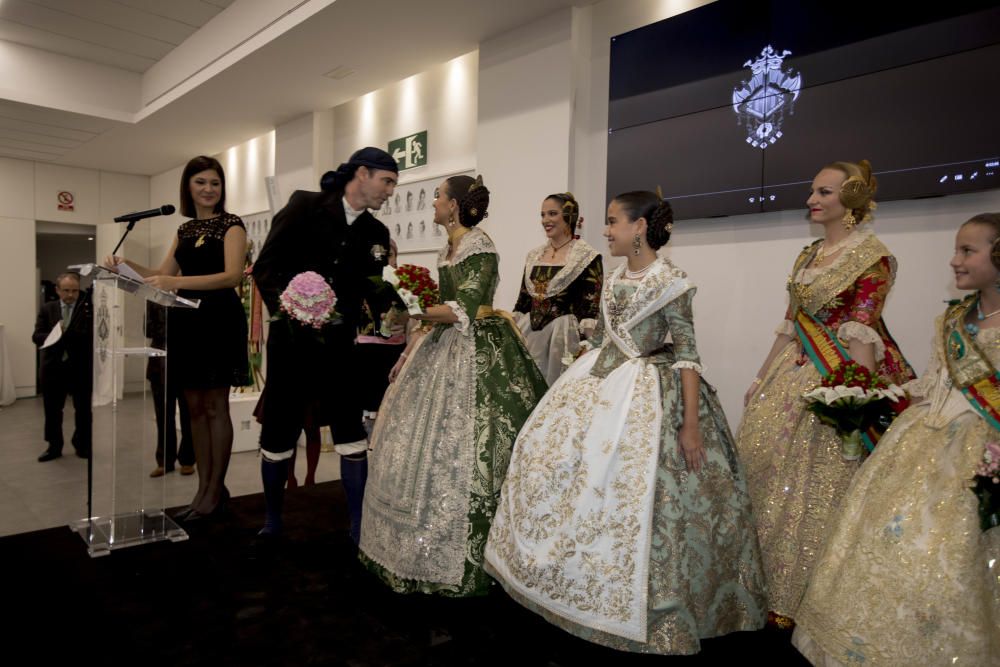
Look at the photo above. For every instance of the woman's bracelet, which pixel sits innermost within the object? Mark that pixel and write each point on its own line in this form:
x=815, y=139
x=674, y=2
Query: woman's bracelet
x=756, y=381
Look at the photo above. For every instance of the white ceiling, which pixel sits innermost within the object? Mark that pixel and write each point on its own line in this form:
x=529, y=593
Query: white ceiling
x=129, y=34
x=222, y=103
x=35, y=133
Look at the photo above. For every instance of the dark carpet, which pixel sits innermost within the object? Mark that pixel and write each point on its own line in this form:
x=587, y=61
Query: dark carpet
x=221, y=599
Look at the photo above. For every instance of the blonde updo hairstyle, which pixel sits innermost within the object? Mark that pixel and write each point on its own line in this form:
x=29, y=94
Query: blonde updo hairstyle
x=858, y=192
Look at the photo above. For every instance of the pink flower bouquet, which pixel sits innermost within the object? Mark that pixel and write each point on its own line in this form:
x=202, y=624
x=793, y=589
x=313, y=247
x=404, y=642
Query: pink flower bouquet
x=309, y=299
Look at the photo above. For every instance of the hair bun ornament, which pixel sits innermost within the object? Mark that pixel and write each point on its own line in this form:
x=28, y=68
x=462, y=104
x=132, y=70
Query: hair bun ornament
x=661, y=206
x=477, y=184
x=857, y=193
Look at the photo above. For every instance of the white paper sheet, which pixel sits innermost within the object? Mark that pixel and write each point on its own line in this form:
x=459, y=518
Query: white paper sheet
x=53, y=336
x=127, y=271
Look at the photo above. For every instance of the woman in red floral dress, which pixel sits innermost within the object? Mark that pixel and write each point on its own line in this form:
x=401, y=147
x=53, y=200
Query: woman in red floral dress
x=795, y=470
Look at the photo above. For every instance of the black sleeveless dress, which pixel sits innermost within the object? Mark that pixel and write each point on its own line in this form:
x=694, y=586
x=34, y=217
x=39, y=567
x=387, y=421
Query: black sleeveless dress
x=207, y=345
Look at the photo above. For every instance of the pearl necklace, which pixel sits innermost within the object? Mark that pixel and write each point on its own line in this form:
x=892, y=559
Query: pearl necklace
x=635, y=275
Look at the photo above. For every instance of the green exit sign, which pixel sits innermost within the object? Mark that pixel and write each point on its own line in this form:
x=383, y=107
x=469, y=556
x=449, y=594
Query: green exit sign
x=410, y=151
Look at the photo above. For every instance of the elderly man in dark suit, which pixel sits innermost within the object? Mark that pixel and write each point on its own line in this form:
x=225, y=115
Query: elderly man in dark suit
x=66, y=365
x=312, y=377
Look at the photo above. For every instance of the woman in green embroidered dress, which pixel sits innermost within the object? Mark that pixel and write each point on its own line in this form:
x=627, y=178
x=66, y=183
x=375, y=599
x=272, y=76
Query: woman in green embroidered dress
x=625, y=517
x=908, y=575
x=444, y=434
x=795, y=470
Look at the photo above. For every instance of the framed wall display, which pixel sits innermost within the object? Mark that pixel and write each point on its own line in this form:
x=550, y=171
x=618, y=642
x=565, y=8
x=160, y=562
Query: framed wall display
x=409, y=215
x=258, y=225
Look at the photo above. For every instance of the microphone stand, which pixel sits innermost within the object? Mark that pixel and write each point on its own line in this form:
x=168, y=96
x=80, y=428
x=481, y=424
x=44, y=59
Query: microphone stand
x=131, y=224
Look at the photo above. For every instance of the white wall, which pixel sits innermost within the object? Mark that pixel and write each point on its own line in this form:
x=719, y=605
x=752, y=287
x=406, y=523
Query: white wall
x=246, y=166
x=28, y=192
x=442, y=100
x=164, y=189
x=17, y=268
x=84, y=184
x=294, y=158
x=525, y=126
x=17, y=304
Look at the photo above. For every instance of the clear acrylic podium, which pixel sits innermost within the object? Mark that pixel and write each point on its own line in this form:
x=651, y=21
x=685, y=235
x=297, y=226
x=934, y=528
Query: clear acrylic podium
x=125, y=506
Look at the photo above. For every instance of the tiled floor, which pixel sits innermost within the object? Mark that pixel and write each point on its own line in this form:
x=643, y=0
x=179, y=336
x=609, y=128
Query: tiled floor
x=37, y=495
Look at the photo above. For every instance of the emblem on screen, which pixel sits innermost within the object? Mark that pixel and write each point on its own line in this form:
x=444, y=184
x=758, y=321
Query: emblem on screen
x=762, y=101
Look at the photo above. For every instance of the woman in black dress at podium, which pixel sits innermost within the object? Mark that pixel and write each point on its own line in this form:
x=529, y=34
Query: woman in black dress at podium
x=207, y=346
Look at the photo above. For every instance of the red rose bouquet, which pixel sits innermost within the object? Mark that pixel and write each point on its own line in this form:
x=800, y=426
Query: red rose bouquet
x=414, y=286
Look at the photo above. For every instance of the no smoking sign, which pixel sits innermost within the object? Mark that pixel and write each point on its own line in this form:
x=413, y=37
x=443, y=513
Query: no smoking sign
x=65, y=201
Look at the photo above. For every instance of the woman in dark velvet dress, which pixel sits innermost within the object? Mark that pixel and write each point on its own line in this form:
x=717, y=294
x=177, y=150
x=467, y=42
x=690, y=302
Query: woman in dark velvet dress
x=561, y=289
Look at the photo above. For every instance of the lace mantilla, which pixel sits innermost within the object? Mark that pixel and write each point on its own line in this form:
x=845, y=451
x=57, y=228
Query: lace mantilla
x=808, y=274
x=826, y=283
x=474, y=242
x=662, y=284
x=581, y=254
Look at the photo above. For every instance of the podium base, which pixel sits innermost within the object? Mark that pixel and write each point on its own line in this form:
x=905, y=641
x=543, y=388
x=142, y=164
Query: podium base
x=102, y=534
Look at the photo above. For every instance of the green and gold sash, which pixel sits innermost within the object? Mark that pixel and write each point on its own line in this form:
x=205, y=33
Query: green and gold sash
x=819, y=343
x=970, y=369
x=827, y=353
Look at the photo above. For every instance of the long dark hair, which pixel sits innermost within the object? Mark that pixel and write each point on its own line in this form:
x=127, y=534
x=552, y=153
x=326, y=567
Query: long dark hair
x=196, y=166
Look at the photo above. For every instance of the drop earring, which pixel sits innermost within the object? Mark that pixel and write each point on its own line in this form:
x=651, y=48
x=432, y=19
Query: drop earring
x=636, y=244
x=849, y=221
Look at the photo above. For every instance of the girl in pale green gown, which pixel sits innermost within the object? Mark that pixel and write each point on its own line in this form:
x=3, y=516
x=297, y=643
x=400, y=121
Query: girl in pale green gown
x=625, y=517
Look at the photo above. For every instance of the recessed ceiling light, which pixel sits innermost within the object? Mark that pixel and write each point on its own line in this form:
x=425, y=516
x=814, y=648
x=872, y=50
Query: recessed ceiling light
x=339, y=72
x=90, y=238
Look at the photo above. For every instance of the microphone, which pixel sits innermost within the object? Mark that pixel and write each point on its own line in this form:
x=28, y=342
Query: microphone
x=166, y=209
